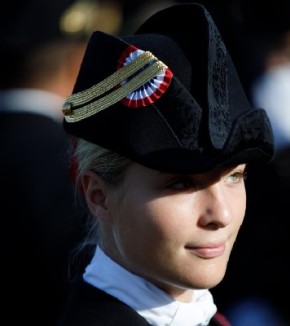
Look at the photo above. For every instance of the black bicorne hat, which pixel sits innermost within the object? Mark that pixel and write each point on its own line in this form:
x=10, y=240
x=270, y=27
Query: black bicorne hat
x=167, y=97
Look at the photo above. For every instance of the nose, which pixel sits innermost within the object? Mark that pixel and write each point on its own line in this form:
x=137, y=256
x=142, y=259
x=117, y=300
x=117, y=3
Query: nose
x=216, y=212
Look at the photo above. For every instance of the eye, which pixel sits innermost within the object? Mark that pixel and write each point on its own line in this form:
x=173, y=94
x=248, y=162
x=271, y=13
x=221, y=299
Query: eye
x=181, y=183
x=237, y=176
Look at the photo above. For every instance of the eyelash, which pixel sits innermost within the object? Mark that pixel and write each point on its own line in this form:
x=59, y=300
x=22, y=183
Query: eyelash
x=241, y=176
x=188, y=183
x=181, y=183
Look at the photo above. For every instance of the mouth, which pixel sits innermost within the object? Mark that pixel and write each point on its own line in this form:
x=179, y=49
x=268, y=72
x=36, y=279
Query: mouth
x=207, y=251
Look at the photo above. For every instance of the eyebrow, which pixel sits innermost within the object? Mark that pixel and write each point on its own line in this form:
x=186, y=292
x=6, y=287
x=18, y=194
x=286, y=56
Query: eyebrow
x=219, y=170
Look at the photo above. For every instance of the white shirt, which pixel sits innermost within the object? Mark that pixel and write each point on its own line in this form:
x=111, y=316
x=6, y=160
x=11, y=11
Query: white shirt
x=156, y=306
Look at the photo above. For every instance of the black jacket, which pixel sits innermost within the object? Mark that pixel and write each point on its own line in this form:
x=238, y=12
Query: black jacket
x=40, y=223
x=89, y=306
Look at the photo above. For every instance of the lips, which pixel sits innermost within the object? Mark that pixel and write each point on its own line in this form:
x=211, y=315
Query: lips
x=208, y=251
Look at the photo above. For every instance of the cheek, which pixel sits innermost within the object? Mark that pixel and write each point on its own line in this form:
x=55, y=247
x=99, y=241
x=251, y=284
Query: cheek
x=149, y=225
x=150, y=220
x=168, y=217
x=238, y=209
x=240, y=206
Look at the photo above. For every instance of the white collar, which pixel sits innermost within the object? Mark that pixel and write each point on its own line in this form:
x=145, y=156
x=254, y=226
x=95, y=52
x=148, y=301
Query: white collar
x=157, y=307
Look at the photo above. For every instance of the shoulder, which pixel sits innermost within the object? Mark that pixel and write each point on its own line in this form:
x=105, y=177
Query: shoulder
x=88, y=305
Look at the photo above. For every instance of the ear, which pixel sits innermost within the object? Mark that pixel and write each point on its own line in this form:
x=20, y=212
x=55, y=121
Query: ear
x=95, y=192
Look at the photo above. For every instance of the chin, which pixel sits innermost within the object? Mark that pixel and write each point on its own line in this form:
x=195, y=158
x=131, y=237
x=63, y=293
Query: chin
x=210, y=283
x=209, y=278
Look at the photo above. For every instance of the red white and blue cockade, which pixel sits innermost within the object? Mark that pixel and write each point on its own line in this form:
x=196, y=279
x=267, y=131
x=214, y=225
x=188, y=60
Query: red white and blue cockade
x=151, y=90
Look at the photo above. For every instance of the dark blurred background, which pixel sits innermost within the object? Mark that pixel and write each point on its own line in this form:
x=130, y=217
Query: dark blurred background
x=257, y=35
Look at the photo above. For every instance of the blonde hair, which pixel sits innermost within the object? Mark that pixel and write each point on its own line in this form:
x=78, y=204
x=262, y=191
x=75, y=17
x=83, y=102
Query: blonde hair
x=111, y=167
x=107, y=164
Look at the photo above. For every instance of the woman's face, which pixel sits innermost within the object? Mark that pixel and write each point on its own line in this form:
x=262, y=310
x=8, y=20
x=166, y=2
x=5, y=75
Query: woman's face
x=177, y=231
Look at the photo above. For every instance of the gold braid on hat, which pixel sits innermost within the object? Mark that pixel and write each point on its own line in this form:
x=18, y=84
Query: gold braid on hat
x=85, y=100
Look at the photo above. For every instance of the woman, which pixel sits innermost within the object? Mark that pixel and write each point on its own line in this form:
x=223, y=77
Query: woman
x=162, y=134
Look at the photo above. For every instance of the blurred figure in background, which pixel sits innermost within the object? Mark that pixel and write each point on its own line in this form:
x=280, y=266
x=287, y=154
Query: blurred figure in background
x=271, y=89
x=269, y=187
x=42, y=43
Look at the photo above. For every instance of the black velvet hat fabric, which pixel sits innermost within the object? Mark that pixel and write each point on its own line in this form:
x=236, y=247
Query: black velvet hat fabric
x=181, y=110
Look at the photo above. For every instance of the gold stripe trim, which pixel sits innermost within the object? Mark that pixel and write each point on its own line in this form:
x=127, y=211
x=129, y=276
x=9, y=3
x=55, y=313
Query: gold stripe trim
x=111, y=81
x=116, y=95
